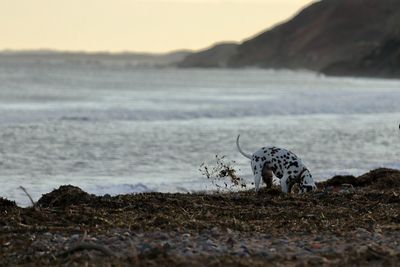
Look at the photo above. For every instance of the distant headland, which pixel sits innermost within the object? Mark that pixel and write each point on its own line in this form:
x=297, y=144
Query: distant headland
x=334, y=37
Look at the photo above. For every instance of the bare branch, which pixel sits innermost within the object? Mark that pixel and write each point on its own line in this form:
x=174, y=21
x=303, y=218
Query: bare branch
x=90, y=246
x=26, y=193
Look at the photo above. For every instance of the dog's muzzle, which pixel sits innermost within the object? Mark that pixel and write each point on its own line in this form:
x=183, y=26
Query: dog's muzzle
x=309, y=188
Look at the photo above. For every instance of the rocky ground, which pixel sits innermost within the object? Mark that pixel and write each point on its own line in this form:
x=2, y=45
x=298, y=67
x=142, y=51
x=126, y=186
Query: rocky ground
x=349, y=221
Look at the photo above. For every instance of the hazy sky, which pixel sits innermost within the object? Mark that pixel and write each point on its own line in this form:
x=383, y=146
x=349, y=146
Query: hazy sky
x=136, y=25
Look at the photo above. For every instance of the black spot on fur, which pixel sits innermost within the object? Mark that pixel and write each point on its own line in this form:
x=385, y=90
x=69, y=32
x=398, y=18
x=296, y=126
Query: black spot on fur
x=293, y=163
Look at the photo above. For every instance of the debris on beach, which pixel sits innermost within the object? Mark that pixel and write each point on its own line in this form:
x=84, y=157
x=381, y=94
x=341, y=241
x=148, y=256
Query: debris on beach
x=222, y=170
x=6, y=204
x=360, y=226
x=65, y=196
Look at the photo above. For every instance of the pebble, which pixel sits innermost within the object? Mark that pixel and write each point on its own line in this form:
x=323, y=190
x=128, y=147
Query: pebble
x=215, y=231
x=210, y=242
x=230, y=242
x=167, y=246
x=59, y=238
x=39, y=245
x=162, y=236
x=187, y=253
x=186, y=235
x=316, y=245
x=47, y=234
x=264, y=254
x=74, y=237
x=190, y=244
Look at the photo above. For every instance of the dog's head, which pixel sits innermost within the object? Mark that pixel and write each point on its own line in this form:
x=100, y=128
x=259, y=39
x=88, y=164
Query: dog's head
x=307, y=183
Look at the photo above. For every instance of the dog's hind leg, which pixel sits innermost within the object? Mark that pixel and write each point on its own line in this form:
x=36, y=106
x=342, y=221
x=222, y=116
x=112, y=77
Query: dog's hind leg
x=257, y=171
x=267, y=176
x=257, y=180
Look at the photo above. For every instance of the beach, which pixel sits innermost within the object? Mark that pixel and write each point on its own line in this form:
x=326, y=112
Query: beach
x=348, y=221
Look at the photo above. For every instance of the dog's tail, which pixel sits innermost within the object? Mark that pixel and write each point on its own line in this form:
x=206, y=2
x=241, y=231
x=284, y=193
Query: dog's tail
x=240, y=150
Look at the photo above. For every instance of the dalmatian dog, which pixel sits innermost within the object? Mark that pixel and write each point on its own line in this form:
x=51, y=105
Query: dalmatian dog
x=284, y=164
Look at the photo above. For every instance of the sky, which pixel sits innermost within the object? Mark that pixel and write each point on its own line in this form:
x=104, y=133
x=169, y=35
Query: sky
x=136, y=25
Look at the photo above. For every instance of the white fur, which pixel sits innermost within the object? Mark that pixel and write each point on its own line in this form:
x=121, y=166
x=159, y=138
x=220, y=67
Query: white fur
x=284, y=164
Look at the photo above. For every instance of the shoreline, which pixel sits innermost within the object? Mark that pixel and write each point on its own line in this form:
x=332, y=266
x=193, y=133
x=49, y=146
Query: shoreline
x=348, y=221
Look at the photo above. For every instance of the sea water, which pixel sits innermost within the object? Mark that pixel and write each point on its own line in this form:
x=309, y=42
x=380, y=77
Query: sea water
x=113, y=129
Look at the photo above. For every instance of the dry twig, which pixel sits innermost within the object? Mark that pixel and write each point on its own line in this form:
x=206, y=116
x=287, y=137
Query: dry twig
x=30, y=198
x=90, y=246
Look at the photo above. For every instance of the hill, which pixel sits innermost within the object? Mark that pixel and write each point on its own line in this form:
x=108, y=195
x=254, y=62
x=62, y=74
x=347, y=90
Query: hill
x=383, y=61
x=324, y=36
x=215, y=56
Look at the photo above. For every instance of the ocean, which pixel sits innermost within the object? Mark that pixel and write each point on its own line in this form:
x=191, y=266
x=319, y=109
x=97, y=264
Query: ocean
x=113, y=129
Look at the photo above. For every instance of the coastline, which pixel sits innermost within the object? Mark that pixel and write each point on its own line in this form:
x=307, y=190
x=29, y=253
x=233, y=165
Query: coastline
x=355, y=223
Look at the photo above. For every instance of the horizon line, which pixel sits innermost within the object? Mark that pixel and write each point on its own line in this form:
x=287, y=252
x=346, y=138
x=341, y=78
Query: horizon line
x=110, y=52
x=88, y=52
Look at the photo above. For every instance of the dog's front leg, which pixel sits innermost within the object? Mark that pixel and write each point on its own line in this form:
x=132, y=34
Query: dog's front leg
x=284, y=184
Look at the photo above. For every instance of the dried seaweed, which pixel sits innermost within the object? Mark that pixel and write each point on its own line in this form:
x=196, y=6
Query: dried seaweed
x=327, y=213
x=222, y=170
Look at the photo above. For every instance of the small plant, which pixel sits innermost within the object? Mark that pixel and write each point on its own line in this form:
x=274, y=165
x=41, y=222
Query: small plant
x=221, y=170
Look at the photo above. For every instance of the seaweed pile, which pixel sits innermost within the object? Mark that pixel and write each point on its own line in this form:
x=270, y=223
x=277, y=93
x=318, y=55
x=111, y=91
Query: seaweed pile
x=349, y=220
